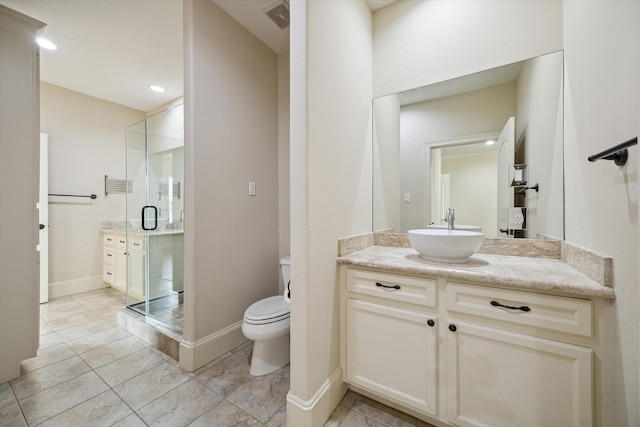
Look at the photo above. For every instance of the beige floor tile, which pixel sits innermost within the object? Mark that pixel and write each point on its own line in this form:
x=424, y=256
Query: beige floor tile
x=226, y=375
x=356, y=419
x=337, y=416
x=46, y=357
x=279, y=419
x=65, y=321
x=148, y=386
x=58, y=304
x=129, y=366
x=264, y=395
x=11, y=416
x=99, y=339
x=111, y=352
x=48, y=376
x=130, y=421
x=180, y=406
x=6, y=395
x=79, y=331
x=382, y=413
x=49, y=340
x=225, y=414
x=348, y=399
x=55, y=400
x=44, y=327
x=100, y=411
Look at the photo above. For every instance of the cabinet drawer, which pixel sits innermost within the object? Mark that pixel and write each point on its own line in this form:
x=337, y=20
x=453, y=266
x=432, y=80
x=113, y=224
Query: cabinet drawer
x=109, y=239
x=394, y=287
x=108, y=274
x=109, y=256
x=136, y=245
x=561, y=314
x=121, y=242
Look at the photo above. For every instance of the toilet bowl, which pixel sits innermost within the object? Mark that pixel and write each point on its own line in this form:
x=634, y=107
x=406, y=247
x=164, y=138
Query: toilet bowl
x=266, y=322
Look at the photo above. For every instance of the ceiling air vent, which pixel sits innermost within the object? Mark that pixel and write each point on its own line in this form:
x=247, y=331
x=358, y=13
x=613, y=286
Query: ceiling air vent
x=279, y=13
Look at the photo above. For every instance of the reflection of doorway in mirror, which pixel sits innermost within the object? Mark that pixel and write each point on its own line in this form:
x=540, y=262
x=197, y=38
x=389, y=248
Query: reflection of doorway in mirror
x=463, y=177
x=506, y=156
x=445, y=196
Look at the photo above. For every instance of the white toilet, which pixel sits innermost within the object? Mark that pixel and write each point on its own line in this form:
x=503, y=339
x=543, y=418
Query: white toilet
x=266, y=322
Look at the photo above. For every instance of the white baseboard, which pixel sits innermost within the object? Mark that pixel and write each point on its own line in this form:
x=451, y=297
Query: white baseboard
x=197, y=354
x=75, y=286
x=316, y=411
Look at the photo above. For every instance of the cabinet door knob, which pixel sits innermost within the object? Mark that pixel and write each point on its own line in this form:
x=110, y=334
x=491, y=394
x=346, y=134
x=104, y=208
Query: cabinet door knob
x=453, y=328
x=380, y=285
x=430, y=322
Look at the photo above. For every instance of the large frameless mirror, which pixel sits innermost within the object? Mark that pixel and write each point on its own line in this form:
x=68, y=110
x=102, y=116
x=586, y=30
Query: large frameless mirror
x=489, y=145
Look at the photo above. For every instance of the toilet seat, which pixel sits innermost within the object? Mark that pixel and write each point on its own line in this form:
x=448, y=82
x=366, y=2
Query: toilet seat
x=268, y=310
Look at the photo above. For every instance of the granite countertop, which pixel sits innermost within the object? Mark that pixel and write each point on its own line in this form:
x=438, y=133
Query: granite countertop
x=122, y=229
x=514, y=272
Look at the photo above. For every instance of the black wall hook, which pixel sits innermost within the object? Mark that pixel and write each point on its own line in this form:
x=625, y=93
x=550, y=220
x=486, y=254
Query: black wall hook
x=618, y=153
x=524, y=189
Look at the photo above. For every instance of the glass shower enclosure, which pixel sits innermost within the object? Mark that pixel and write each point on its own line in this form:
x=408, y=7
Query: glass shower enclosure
x=155, y=217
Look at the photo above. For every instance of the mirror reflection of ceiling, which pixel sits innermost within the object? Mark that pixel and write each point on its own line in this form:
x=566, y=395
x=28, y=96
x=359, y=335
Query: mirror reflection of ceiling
x=450, y=114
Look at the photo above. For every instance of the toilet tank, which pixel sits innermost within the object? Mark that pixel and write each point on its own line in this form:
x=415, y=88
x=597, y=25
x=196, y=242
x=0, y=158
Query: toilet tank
x=285, y=266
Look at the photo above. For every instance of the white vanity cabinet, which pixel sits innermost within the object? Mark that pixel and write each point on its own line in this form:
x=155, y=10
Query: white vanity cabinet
x=109, y=259
x=506, y=366
x=466, y=354
x=391, y=337
x=120, y=281
x=115, y=262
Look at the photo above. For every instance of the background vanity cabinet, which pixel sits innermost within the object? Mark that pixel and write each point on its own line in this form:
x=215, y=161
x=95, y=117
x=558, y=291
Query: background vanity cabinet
x=467, y=355
x=505, y=365
x=115, y=262
x=109, y=259
x=391, y=337
x=121, y=262
x=135, y=280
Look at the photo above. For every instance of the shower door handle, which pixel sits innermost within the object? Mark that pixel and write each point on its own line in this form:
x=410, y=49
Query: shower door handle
x=155, y=213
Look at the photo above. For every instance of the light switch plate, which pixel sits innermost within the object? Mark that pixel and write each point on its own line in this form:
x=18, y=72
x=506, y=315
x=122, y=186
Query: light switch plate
x=252, y=188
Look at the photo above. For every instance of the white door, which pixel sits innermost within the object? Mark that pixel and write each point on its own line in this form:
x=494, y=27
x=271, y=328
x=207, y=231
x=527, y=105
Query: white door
x=506, y=156
x=43, y=216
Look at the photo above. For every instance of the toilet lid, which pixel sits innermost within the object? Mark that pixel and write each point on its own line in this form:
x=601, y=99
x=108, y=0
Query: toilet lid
x=268, y=309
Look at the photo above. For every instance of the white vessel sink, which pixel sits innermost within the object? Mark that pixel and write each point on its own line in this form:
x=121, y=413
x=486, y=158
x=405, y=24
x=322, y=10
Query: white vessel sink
x=443, y=245
x=463, y=227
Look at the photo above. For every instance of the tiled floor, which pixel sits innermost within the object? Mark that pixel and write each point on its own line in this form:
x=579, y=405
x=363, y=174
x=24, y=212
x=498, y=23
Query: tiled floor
x=90, y=372
x=167, y=309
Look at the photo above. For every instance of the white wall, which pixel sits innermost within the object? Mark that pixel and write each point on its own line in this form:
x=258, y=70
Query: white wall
x=19, y=184
x=539, y=121
x=330, y=187
x=284, y=182
x=86, y=142
x=231, y=138
x=387, y=194
x=418, y=42
x=601, y=110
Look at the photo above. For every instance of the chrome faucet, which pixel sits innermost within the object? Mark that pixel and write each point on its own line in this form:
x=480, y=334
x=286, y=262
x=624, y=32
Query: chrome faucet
x=450, y=217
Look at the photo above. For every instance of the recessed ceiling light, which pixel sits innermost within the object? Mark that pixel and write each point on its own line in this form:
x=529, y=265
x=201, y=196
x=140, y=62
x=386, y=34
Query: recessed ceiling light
x=46, y=44
x=156, y=88
x=490, y=142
